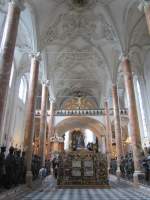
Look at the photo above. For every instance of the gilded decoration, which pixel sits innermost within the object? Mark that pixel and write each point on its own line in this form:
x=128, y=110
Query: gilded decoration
x=83, y=168
x=79, y=103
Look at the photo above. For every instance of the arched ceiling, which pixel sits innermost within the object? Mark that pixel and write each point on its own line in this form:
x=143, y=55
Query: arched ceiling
x=76, y=39
x=81, y=42
x=80, y=122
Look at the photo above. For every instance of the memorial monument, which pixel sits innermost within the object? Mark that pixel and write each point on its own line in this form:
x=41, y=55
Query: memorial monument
x=81, y=167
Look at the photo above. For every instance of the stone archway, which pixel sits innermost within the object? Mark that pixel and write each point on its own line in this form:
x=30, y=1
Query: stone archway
x=71, y=123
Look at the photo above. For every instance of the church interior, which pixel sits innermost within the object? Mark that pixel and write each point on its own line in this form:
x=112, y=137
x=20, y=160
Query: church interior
x=74, y=99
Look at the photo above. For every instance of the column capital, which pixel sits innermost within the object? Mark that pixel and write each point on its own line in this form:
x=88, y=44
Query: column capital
x=144, y=4
x=114, y=85
x=18, y=3
x=45, y=82
x=124, y=57
x=51, y=100
x=36, y=56
x=105, y=99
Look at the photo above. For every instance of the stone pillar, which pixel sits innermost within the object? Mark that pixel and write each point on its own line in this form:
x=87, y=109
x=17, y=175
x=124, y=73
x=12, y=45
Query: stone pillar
x=118, y=138
x=43, y=123
x=50, y=123
x=133, y=118
x=29, y=125
x=7, y=50
x=108, y=134
x=147, y=14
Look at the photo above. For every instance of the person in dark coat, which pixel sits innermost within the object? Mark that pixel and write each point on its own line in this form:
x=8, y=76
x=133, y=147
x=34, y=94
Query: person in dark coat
x=10, y=168
x=2, y=166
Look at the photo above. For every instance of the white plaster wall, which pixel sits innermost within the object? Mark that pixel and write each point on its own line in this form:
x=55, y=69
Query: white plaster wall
x=14, y=122
x=146, y=85
x=19, y=124
x=5, y=136
x=138, y=111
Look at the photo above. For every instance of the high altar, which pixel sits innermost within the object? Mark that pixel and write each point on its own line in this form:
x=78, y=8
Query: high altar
x=81, y=167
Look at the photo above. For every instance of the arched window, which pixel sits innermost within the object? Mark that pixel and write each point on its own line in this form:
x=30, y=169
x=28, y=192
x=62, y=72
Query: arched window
x=141, y=108
x=2, y=25
x=23, y=89
x=11, y=75
x=89, y=136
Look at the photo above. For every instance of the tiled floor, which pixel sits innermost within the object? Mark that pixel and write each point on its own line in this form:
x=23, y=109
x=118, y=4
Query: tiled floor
x=90, y=194
x=121, y=191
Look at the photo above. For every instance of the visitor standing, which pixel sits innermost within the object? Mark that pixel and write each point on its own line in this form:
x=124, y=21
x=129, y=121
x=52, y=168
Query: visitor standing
x=42, y=176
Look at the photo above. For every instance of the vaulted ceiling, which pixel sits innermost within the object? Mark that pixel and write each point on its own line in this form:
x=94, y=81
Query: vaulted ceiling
x=81, y=42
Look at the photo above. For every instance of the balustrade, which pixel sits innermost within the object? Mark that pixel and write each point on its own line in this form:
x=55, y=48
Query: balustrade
x=98, y=112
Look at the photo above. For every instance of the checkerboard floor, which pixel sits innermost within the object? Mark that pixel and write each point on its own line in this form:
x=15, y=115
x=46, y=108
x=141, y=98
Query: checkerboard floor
x=90, y=194
x=121, y=191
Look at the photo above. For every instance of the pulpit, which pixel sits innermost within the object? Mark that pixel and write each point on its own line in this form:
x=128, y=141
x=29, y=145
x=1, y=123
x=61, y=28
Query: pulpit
x=56, y=144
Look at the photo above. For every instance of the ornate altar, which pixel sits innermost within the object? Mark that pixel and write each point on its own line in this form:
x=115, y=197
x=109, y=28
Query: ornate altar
x=82, y=168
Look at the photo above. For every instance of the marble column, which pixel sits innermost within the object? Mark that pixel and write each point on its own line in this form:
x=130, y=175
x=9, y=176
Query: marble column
x=117, y=125
x=43, y=123
x=147, y=14
x=133, y=118
x=29, y=125
x=50, y=123
x=108, y=134
x=7, y=50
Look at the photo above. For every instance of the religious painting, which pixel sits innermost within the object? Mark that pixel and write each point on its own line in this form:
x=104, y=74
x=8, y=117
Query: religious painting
x=78, y=140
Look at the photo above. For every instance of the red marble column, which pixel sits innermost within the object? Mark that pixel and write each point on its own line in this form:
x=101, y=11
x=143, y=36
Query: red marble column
x=7, y=51
x=118, y=138
x=50, y=123
x=108, y=134
x=133, y=118
x=43, y=123
x=29, y=126
x=147, y=14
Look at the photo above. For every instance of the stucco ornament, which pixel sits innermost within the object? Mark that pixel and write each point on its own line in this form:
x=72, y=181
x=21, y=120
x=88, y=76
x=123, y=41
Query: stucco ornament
x=73, y=24
x=74, y=57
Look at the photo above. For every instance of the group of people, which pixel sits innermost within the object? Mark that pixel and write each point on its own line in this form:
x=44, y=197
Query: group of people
x=127, y=167
x=13, y=167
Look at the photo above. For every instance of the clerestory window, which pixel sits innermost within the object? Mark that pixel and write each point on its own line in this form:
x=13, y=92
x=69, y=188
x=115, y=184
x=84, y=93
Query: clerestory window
x=141, y=108
x=23, y=89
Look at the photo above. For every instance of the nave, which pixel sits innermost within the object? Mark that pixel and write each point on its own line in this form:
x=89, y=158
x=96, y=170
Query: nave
x=74, y=97
x=118, y=191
